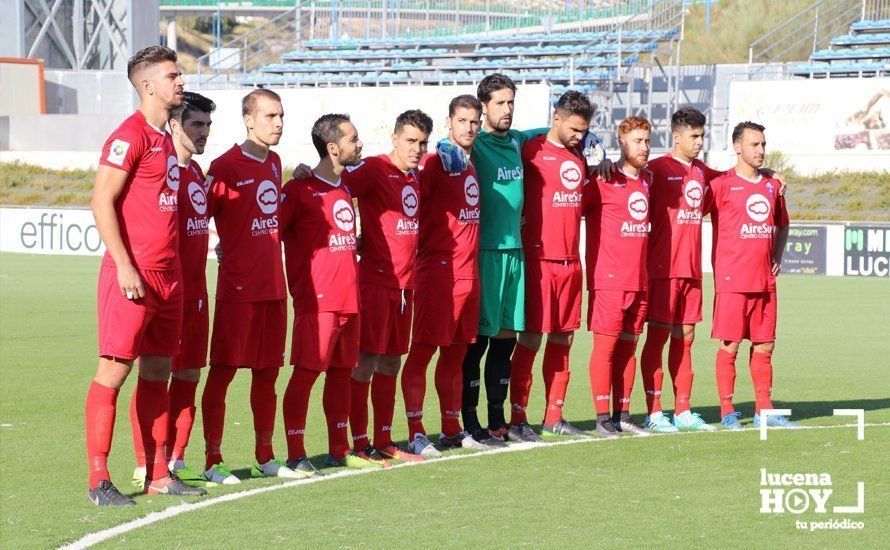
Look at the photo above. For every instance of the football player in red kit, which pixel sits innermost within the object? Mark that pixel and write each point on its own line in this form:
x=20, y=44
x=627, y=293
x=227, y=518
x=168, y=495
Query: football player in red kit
x=555, y=180
x=750, y=231
x=140, y=285
x=250, y=318
x=617, y=215
x=318, y=228
x=190, y=126
x=446, y=297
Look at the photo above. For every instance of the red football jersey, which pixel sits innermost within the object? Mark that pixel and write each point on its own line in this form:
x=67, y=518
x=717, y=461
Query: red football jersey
x=617, y=215
x=448, y=245
x=245, y=192
x=194, y=231
x=146, y=207
x=318, y=231
x=678, y=199
x=555, y=179
x=388, y=204
x=745, y=216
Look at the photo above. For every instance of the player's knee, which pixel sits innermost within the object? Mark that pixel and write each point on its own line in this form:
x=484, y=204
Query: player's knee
x=154, y=367
x=764, y=347
x=188, y=375
x=112, y=372
x=364, y=370
x=389, y=365
x=530, y=340
x=730, y=347
x=561, y=338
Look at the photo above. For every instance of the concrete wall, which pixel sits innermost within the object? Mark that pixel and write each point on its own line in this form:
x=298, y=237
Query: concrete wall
x=43, y=133
x=89, y=93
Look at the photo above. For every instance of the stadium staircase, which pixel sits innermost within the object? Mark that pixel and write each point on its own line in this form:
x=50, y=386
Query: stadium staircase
x=862, y=51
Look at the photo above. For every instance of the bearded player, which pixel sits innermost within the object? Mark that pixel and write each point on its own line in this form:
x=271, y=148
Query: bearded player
x=555, y=180
x=750, y=231
x=319, y=234
x=498, y=161
x=617, y=213
x=189, y=126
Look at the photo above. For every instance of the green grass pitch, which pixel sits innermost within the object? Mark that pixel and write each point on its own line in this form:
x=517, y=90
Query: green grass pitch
x=692, y=490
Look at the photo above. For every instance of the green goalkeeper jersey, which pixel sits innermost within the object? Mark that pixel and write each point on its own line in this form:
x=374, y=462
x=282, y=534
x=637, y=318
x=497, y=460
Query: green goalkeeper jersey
x=498, y=163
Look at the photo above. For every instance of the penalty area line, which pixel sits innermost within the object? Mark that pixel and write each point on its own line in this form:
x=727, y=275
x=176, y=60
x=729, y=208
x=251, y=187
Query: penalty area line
x=96, y=537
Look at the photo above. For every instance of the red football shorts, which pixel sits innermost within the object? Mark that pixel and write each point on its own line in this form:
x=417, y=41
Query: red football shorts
x=148, y=326
x=446, y=311
x=386, y=323
x=325, y=339
x=195, y=333
x=745, y=315
x=612, y=312
x=249, y=334
x=552, y=295
x=674, y=301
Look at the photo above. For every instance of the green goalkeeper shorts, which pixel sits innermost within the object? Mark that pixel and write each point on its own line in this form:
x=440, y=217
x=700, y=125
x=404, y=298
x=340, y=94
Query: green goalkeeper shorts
x=502, y=280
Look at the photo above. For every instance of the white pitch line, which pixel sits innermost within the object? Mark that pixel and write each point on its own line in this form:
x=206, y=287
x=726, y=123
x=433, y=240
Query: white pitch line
x=91, y=539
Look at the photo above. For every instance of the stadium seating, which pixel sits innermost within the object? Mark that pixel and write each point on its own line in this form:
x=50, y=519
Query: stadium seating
x=583, y=59
x=864, y=51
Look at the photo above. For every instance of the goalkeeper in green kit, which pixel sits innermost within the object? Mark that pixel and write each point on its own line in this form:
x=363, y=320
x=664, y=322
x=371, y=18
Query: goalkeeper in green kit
x=498, y=161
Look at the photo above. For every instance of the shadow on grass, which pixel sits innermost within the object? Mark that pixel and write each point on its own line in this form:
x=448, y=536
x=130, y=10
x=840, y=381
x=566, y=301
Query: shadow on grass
x=800, y=410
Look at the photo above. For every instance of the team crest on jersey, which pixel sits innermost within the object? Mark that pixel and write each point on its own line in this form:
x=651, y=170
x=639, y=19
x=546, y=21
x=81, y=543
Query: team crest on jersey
x=344, y=217
x=409, y=201
x=471, y=191
x=267, y=197
x=693, y=192
x=769, y=187
x=637, y=206
x=570, y=175
x=515, y=143
x=758, y=207
x=117, y=152
x=275, y=171
x=172, y=173
x=197, y=197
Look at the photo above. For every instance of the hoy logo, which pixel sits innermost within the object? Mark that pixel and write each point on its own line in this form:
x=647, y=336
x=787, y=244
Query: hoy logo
x=797, y=493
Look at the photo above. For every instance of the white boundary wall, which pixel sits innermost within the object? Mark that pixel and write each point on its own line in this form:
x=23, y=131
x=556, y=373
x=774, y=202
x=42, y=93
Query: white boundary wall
x=852, y=248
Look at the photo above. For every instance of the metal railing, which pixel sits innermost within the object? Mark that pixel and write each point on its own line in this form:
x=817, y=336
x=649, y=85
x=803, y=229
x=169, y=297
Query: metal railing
x=813, y=28
x=251, y=50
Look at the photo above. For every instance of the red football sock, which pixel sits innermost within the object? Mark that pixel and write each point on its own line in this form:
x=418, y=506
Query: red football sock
x=263, y=402
x=601, y=370
x=383, y=399
x=725, y=372
x=680, y=365
x=358, y=413
x=650, y=365
x=762, y=375
x=624, y=369
x=182, y=417
x=336, y=410
x=150, y=417
x=101, y=406
x=295, y=407
x=213, y=411
x=138, y=445
x=449, y=386
x=414, y=385
x=556, y=359
x=556, y=397
x=520, y=382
